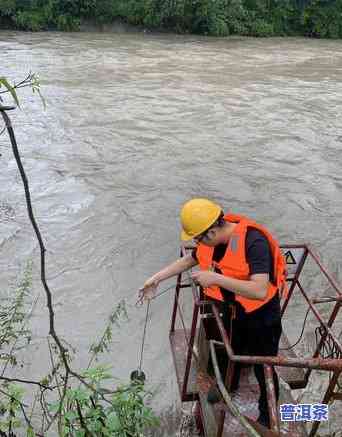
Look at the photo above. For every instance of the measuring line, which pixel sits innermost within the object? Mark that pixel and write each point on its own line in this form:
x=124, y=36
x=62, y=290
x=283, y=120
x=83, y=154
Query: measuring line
x=146, y=320
x=144, y=335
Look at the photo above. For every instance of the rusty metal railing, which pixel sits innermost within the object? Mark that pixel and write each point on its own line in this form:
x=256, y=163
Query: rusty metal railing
x=327, y=364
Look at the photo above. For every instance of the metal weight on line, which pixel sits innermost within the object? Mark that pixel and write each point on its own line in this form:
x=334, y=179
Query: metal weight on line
x=138, y=376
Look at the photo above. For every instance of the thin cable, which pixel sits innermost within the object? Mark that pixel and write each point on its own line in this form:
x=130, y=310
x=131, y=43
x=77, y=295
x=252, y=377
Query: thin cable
x=166, y=289
x=144, y=335
x=146, y=320
x=329, y=349
x=301, y=334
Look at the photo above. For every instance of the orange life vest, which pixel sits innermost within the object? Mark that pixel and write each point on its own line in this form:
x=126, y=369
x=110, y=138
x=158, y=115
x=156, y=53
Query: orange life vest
x=234, y=263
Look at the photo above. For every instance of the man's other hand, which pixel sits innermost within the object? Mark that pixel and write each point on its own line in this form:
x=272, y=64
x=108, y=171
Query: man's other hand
x=205, y=278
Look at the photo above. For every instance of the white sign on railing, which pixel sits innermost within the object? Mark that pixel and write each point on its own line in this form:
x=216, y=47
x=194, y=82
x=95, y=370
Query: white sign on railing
x=293, y=258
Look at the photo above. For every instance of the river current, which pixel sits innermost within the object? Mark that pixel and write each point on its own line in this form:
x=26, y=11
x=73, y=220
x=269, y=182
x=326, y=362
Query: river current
x=135, y=125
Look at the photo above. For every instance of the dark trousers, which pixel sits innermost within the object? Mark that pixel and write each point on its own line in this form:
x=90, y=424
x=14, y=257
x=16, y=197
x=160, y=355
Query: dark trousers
x=257, y=333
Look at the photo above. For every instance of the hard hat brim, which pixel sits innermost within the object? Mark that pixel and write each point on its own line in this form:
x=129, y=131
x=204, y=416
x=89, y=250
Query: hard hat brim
x=185, y=236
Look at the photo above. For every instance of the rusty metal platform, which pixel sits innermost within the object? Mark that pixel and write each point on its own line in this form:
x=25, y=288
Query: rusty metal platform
x=246, y=398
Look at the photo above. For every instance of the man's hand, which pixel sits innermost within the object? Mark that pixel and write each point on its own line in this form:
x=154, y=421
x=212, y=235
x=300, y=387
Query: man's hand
x=205, y=278
x=148, y=290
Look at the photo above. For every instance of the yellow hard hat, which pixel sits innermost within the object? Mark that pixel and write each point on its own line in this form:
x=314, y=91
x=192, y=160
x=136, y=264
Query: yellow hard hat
x=197, y=215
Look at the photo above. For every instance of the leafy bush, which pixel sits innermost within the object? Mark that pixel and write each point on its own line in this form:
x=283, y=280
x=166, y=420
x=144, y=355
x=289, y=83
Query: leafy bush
x=82, y=413
x=33, y=21
x=323, y=19
x=286, y=18
x=7, y=7
x=237, y=17
x=318, y=18
x=68, y=23
x=124, y=415
x=260, y=27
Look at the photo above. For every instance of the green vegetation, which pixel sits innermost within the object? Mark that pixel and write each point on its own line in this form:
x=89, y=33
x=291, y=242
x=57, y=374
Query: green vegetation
x=318, y=18
x=82, y=407
x=82, y=412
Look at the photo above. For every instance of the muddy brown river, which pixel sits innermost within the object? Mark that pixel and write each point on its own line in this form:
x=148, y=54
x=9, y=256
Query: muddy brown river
x=135, y=125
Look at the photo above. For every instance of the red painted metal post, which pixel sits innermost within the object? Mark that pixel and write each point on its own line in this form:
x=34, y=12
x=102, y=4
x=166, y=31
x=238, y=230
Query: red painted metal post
x=222, y=331
x=288, y=297
x=328, y=395
x=327, y=300
x=231, y=365
x=324, y=336
x=175, y=305
x=302, y=363
x=334, y=313
x=320, y=319
x=296, y=277
x=331, y=280
x=222, y=417
x=271, y=398
x=190, y=352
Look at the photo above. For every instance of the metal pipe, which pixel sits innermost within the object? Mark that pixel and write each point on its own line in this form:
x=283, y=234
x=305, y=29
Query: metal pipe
x=296, y=276
x=319, y=318
x=190, y=352
x=328, y=364
x=319, y=346
x=327, y=299
x=192, y=282
x=242, y=420
x=326, y=399
x=221, y=420
x=288, y=297
x=175, y=305
x=271, y=398
x=293, y=246
x=331, y=281
x=312, y=363
x=223, y=332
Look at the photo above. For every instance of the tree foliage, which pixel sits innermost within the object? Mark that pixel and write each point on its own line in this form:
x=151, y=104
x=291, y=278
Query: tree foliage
x=318, y=18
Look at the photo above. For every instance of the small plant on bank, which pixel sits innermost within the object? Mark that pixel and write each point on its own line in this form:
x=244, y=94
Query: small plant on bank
x=10, y=409
x=124, y=414
x=13, y=313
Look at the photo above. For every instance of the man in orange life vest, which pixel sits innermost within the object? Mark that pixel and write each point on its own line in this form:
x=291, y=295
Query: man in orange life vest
x=240, y=263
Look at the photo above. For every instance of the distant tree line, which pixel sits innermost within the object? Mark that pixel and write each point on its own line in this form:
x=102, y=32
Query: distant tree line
x=316, y=18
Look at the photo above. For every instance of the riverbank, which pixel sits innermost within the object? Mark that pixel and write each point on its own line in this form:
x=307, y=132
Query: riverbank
x=313, y=18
